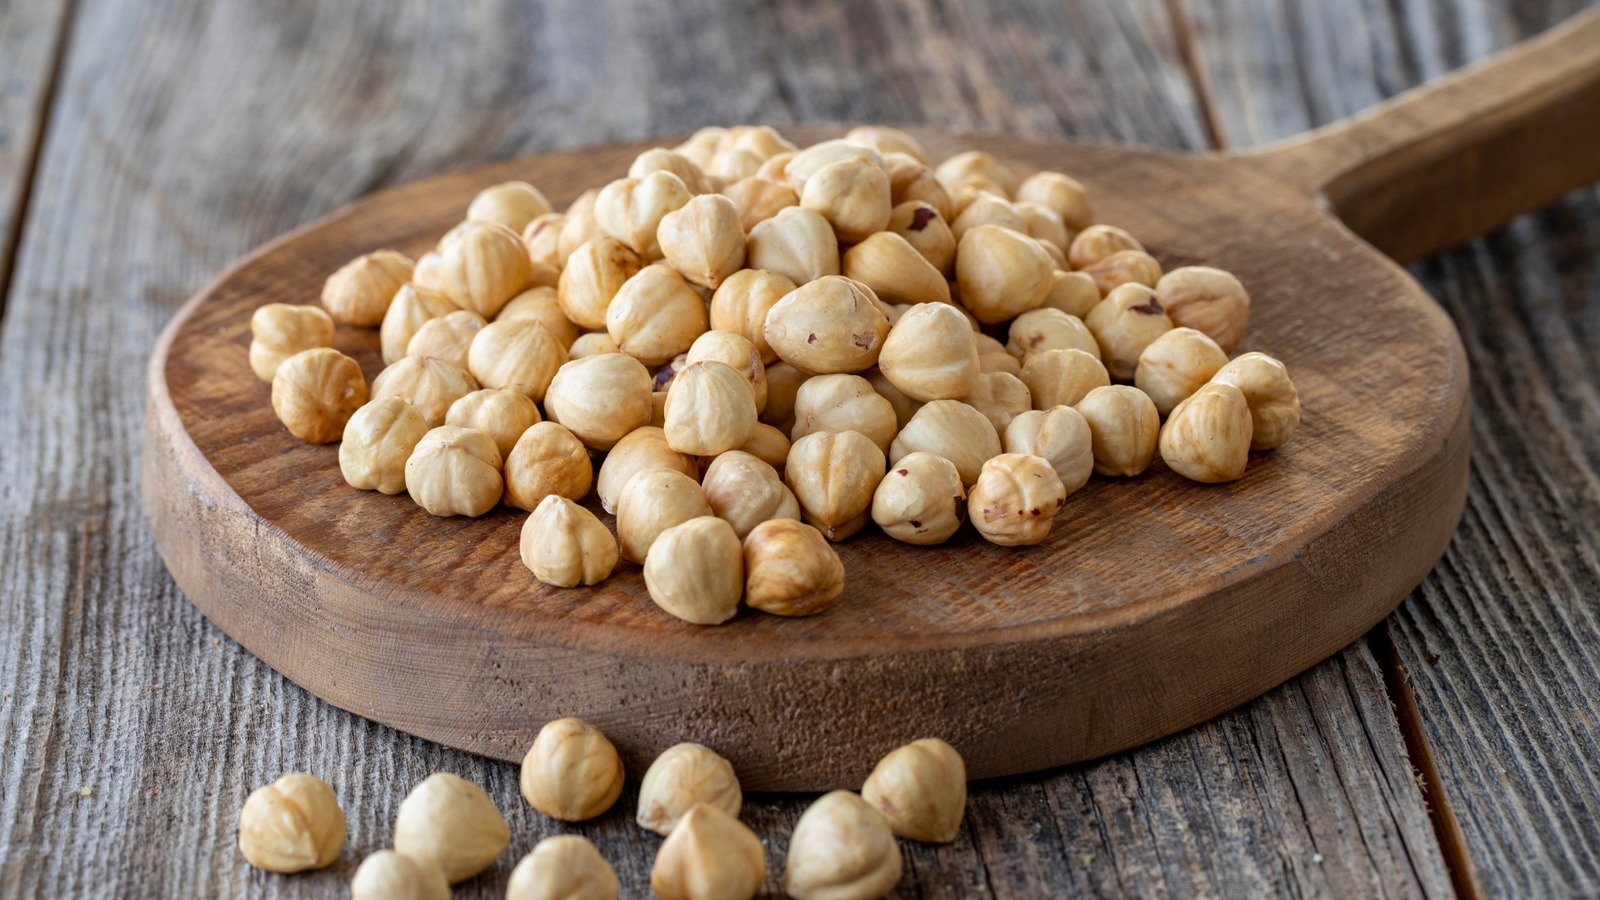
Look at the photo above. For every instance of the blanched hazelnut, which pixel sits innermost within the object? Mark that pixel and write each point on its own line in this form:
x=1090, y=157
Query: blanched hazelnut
x=921, y=789
x=1208, y=300
x=710, y=409
x=594, y=273
x=733, y=349
x=1001, y=397
x=710, y=855
x=1001, y=273
x=762, y=140
x=733, y=165
x=359, y=293
x=701, y=145
x=565, y=545
x=513, y=204
x=451, y=823
x=819, y=156
x=744, y=491
x=1175, y=365
x=1123, y=426
x=431, y=385
x=1274, y=402
x=1043, y=224
x=759, y=199
x=413, y=307
x=542, y=237
x=695, y=571
x=1207, y=437
x=546, y=458
x=454, y=472
x=981, y=166
x=994, y=357
x=852, y=194
x=378, y=440
x=1038, y=330
x=741, y=303
x=660, y=159
x=681, y=777
x=931, y=353
x=563, y=867
x=656, y=315
x=833, y=476
x=1061, y=193
x=520, y=355
x=600, y=398
x=315, y=392
x=895, y=270
x=1124, y=267
x=643, y=448
x=829, y=325
x=913, y=181
x=1128, y=320
x=484, y=266
x=1060, y=436
x=921, y=500
x=953, y=430
x=630, y=209
x=703, y=239
x=572, y=772
x=447, y=337
x=593, y=343
x=776, y=168
x=580, y=227
x=841, y=848
x=783, y=385
x=1074, y=293
x=919, y=223
x=291, y=825
x=790, y=570
x=1097, y=242
x=652, y=501
x=796, y=243
x=387, y=875
x=1016, y=499
x=542, y=305
x=904, y=407
x=1062, y=377
x=279, y=331
x=886, y=140
x=769, y=445
x=988, y=209
x=843, y=403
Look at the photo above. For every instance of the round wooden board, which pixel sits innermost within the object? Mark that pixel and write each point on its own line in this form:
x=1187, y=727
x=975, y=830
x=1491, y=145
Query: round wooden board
x=1155, y=604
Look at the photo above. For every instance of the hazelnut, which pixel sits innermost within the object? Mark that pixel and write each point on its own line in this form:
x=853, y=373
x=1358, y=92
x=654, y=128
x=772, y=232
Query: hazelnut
x=592, y=344
x=1175, y=365
x=291, y=825
x=994, y=357
x=656, y=315
x=359, y=293
x=744, y=491
x=630, y=209
x=921, y=790
x=796, y=243
x=735, y=350
x=454, y=472
x=315, y=392
x=378, y=440
x=978, y=165
x=758, y=199
x=1043, y=224
x=741, y=304
x=1074, y=293
x=843, y=403
x=703, y=239
x=580, y=227
x=904, y=407
x=776, y=168
x=1123, y=428
x=1038, y=330
x=279, y=331
x=833, y=476
x=563, y=867
x=913, y=181
x=431, y=385
x=1058, y=258
x=762, y=140
x=988, y=209
x=1065, y=195
x=710, y=855
x=660, y=159
x=887, y=140
x=520, y=355
x=1124, y=323
x=1001, y=273
x=829, y=325
x=783, y=386
x=1124, y=267
x=600, y=398
x=594, y=273
x=919, y=223
x=1058, y=435
x=1274, y=403
x=451, y=823
x=1097, y=242
x=815, y=158
x=733, y=165
x=769, y=445
x=413, y=307
x=652, y=501
x=1208, y=300
x=1001, y=397
x=513, y=204
x=852, y=194
x=953, y=430
x=387, y=875
x=542, y=305
x=710, y=410
x=790, y=570
x=572, y=772
x=447, y=337
x=1016, y=499
x=895, y=270
x=695, y=571
x=542, y=237
x=1207, y=437
x=484, y=266
x=841, y=847
x=545, y=458
x=921, y=500
x=565, y=545
x=931, y=353
x=681, y=777
x=1062, y=377
x=702, y=145
x=643, y=448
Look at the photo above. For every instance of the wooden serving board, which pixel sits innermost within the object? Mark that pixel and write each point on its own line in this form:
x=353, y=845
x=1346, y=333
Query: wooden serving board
x=1155, y=604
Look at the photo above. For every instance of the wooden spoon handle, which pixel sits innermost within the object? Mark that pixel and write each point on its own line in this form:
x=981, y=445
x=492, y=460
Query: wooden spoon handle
x=1453, y=158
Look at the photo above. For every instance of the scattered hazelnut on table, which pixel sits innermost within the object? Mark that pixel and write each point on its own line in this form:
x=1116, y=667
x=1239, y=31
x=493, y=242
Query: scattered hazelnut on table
x=542, y=305
x=378, y=440
x=741, y=303
x=413, y=306
x=796, y=243
x=953, y=430
x=758, y=199
x=921, y=500
x=1274, y=402
x=1060, y=436
x=501, y=414
x=1096, y=242
x=842, y=847
x=790, y=570
x=447, y=337
x=1001, y=397
x=1124, y=267
x=978, y=166
x=912, y=180
x=431, y=385
x=744, y=491
x=703, y=239
x=279, y=331
x=852, y=194
x=931, y=353
x=921, y=226
x=1177, y=364
x=843, y=403
x=593, y=274
x=454, y=472
x=710, y=409
x=887, y=140
x=1123, y=427
x=546, y=459
x=359, y=293
x=810, y=160
x=315, y=392
x=833, y=475
x=1015, y=499
x=580, y=226
x=451, y=823
x=542, y=237
x=483, y=266
x=1207, y=437
x=1208, y=300
x=829, y=325
x=710, y=855
x=652, y=501
x=572, y=772
x=695, y=571
x=1047, y=328
x=656, y=315
x=921, y=789
x=1044, y=224
x=736, y=350
x=895, y=270
x=681, y=777
x=1001, y=273
x=519, y=355
x=631, y=209
x=513, y=204
x=563, y=867
x=1128, y=320
x=600, y=398
x=643, y=448
x=769, y=445
x=1074, y=293
x=1061, y=193
x=388, y=875
x=660, y=159
x=565, y=545
x=291, y=825
x=988, y=209
x=593, y=343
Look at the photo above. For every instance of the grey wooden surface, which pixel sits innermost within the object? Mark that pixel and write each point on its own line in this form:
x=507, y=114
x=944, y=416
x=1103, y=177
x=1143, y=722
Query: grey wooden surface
x=184, y=132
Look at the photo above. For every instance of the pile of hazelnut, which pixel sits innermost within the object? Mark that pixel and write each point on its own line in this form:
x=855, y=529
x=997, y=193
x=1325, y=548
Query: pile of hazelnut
x=448, y=830
x=767, y=347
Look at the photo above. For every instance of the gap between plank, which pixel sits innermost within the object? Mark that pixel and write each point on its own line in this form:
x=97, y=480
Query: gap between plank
x=35, y=152
x=1187, y=34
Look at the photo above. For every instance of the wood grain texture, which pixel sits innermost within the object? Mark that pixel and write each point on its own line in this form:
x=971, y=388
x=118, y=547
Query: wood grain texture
x=188, y=132
x=31, y=44
x=1499, y=644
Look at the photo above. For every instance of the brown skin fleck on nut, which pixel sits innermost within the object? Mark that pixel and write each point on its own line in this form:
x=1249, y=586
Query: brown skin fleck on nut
x=915, y=524
x=921, y=218
x=1153, y=308
x=811, y=339
x=904, y=472
x=865, y=340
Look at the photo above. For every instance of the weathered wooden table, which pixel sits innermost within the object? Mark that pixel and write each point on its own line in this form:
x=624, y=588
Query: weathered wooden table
x=144, y=145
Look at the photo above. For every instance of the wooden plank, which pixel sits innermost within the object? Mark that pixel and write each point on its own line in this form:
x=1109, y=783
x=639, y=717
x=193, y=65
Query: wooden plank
x=31, y=45
x=190, y=131
x=1499, y=645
